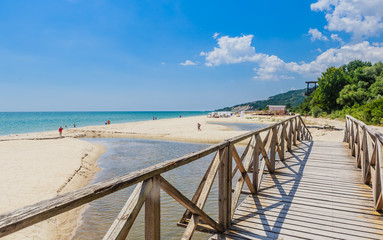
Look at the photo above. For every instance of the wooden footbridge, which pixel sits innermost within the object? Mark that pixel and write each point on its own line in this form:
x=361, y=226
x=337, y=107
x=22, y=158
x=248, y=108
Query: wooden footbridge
x=295, y=188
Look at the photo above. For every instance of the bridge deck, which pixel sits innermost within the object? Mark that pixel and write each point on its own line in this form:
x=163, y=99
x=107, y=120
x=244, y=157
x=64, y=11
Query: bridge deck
x=316, y=193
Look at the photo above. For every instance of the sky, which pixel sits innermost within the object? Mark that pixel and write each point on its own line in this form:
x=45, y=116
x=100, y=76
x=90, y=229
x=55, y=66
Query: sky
x=94, y=55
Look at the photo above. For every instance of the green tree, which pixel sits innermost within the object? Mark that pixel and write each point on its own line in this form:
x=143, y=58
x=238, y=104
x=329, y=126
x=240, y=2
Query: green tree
x=350, y=68
x=329, y=85
x=376, y=88
x=353, y=94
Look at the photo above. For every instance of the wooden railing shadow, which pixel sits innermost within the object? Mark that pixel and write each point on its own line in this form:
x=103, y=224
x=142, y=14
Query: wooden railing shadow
x=264, y=147
x=284, y=199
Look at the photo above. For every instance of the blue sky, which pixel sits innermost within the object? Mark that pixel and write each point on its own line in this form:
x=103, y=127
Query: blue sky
x=83, y=55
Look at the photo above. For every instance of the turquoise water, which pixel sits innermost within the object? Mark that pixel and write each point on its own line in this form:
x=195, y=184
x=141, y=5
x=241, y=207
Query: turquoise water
x=26, y=122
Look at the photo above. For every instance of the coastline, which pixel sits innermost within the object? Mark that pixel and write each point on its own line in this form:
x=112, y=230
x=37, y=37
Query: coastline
x=22, y=148
x=41, y=169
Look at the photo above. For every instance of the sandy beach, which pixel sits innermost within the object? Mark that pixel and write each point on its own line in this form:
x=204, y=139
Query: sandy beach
x=36, y=170
x=38, y=166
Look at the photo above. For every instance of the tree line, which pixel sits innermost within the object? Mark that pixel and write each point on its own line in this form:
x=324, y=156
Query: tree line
x=355, y=89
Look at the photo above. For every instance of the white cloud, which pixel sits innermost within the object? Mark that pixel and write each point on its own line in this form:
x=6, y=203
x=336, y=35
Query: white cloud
x=335, y=37
x=361, y=18
x=271, y=67
x=317, y=35
x=215, y=35
x=231, y=50
x=188, y=63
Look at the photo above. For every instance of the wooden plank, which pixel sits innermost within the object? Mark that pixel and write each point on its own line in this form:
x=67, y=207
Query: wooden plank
x=256, y=168
x=224, y=187
x=197, y=194
x=243, y=171
x=184, y=201
x=152, y=211
x=242, y=157
x=264, y=154
x=125, y=219
x=240, y=182
x=273, y=146
x=203, y=197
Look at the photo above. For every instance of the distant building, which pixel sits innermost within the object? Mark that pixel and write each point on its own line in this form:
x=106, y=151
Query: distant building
x=277, y=109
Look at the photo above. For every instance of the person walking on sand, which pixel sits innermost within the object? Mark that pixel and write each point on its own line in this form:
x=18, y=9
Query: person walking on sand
x=61, y=131
x=199, y=127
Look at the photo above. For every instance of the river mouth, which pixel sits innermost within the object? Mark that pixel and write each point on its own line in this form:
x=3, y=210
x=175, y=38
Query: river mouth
x=128, y=155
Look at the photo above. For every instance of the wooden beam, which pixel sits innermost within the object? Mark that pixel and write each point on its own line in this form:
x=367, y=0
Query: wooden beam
x=224, y=188
x=184, y=201
x=152, y=211
x=240, y=182
x=203, y=197
x=125, y=219
x=244, y=172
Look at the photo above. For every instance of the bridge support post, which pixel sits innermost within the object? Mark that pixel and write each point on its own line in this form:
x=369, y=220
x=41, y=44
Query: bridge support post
x=152, y=211
x=225, y=186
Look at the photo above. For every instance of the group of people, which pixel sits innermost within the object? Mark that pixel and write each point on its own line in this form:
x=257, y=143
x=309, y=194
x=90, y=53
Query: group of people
x=154, y=118
x=107, y=122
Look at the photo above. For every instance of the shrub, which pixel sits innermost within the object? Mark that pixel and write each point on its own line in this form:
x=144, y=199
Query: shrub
x=316, y=111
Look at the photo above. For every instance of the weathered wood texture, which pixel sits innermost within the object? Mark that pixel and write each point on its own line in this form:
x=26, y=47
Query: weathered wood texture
x=366, y=146
x=316, y=193
x=259, y=152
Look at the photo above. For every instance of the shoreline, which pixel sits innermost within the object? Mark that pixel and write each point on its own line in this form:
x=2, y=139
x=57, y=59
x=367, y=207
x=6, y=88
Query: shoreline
x=86, y=154
x=43, y=169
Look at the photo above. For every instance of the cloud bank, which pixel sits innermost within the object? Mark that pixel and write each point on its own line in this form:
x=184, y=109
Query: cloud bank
x=232, y=50
x=361, y=18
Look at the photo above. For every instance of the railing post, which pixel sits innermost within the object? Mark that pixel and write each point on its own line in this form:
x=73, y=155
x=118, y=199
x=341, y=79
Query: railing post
x=273, y=147
x=352, y=139
x=282, y=143
x=299, y=130
x=345, y=132
x=358, y=146
x=365, y=158
x=256, y=168
x=225, y=187
x=377, y=182
x=152, y=211
x=295, y=132
x=289, y=136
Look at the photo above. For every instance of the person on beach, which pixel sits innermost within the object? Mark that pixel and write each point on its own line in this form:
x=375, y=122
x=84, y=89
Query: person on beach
x=61, y=131
x=74, y=125
x=199, y=127
x=108, y=122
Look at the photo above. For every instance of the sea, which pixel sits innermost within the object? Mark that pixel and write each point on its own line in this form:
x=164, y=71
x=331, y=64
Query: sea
x=27, y=122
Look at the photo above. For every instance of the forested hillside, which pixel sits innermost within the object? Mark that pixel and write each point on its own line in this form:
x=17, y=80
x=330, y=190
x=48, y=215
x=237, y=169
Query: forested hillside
x=291, y=98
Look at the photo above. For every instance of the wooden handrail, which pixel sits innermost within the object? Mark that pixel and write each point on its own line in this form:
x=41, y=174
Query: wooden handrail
x=365, y=144
x=259, y=153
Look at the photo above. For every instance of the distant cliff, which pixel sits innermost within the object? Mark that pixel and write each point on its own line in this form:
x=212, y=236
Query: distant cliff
x=294, y=98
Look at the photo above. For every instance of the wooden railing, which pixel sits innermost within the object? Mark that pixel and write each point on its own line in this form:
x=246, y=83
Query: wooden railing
x=259, y=156
x=366, y=146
